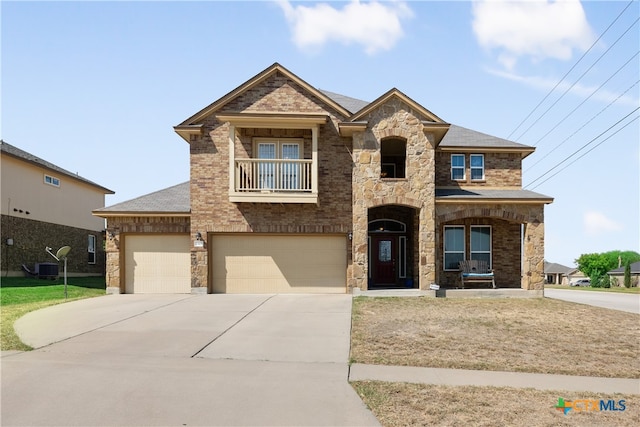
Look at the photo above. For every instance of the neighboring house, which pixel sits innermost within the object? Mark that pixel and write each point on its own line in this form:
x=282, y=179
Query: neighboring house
x=45, y=205
x=618, y=274
x=295, y=189
x=556, y=274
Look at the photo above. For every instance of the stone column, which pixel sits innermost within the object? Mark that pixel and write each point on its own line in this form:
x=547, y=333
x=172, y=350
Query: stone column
x=533, y=256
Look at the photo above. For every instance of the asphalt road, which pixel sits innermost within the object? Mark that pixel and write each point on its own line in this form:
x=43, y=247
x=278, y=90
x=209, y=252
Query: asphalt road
x=623, y=302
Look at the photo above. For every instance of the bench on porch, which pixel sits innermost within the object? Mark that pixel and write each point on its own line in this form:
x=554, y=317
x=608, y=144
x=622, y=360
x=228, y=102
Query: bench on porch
x=476, y=271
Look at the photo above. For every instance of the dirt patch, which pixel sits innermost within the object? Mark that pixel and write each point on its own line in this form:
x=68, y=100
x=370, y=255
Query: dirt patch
x=402, y=404
x=521, y=335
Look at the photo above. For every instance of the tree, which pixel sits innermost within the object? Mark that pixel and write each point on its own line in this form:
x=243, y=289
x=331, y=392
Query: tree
x=597, y=265
x=627, y=275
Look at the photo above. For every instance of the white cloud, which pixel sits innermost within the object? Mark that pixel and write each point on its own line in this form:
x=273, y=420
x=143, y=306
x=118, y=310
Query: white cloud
x=538, y=29
x=596, y=223
x=373, y=25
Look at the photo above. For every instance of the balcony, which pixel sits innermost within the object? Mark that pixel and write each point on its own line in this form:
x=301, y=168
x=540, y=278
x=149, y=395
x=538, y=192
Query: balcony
x=273, y=180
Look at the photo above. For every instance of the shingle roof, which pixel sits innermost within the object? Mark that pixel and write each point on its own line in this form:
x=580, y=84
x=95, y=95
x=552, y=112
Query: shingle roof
x=458, y=136
x=174, y=199
x=350, y=104
x=30, y=158
x=457, y=193
x=553, y=268
x=635, y=269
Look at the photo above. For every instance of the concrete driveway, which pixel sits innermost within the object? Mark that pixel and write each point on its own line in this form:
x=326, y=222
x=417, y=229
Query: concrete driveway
x=623, y=302
x=185, y=360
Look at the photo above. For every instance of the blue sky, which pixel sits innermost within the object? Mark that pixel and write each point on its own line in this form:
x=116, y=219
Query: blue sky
x=95, y=87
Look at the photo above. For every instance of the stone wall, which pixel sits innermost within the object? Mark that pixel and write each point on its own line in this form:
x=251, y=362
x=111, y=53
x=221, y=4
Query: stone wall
x=394, y=119
x=121, y=226
x=30, y=238
x=500, y=170
x=211, y=210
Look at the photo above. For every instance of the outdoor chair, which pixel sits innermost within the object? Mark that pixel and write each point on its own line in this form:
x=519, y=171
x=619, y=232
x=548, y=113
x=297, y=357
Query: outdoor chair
x=476, y=271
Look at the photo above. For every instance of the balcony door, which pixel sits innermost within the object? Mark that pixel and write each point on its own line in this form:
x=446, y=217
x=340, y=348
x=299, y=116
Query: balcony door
x=280, y=175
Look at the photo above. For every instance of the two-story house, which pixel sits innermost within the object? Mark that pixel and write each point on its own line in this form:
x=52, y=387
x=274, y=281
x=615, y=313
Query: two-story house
x=296, y=189
x=45, y=205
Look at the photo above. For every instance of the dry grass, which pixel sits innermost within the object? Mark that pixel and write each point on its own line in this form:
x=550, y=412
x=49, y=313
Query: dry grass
x=522, y=335
x=401, y=404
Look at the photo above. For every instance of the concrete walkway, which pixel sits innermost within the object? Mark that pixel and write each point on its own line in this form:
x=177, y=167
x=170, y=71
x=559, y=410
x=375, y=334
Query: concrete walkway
x=461, y=377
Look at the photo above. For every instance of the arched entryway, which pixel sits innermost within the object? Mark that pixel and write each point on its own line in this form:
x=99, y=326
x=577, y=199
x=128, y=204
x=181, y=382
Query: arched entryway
x=391, y=243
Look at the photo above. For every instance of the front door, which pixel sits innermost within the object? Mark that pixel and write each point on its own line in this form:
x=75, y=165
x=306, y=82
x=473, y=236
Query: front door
x=384, y=260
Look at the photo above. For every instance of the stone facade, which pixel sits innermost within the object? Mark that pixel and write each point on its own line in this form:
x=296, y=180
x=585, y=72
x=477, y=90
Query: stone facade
x=31, y=237
x=394, y=119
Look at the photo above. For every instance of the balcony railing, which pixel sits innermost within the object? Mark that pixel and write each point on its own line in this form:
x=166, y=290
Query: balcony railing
x=283, y=179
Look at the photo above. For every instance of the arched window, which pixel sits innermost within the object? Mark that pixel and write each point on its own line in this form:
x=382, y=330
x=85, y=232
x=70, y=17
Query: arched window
x=393, y=153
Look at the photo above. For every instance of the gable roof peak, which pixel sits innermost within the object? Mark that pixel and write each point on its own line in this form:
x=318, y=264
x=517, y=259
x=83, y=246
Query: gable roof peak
x=254, y=81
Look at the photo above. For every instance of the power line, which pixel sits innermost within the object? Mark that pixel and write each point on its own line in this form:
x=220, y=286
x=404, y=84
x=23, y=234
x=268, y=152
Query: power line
x=584, y=125
x=593, y=148
x=582, y=148
x=579, y=78
x=588, y=121
x=571, y=69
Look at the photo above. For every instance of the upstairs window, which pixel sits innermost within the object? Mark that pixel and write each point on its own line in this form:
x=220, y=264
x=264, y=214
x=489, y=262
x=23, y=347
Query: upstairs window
x=477, y=167
x=51, y=180
x=393, y=154
x=457, y=167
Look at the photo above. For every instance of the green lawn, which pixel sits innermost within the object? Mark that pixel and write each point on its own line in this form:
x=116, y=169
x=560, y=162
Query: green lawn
x=617, y=289
x=20, y=295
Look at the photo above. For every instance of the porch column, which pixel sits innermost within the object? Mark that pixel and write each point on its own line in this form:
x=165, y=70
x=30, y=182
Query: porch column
x=232, y=158
x=533, y=256
x=314, y=160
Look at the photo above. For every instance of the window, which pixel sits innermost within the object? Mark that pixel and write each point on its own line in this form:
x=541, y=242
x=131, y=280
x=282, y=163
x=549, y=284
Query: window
x=481, y=243
x=457, y=167
x=393, y=153
x=453, y=246
x=477, y=167
x=91, y=249
x=51, y=180
x=281, y=175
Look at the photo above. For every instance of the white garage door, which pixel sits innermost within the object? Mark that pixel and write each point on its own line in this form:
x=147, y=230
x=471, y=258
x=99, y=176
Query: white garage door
x=278, y=264
x=158, y=264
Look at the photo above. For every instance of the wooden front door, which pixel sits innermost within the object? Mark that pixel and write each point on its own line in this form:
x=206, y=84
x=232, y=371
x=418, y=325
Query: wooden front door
x=384, y=254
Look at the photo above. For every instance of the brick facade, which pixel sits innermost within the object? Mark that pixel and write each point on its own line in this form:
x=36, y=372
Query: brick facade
x=500, y=170
x=211, y=210
x=30, y=238
x=352, y=187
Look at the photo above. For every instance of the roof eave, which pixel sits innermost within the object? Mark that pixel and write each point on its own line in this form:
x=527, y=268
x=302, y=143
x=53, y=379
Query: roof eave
x=187, y=131
x=476, y=200
x=524, y=151
x=114, y=214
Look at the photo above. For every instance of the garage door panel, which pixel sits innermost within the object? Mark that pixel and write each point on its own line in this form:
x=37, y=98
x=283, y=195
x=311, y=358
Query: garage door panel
x=270, y=264
x=157, y=264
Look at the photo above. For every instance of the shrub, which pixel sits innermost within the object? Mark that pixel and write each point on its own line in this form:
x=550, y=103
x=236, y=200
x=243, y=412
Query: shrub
x=627, y=275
